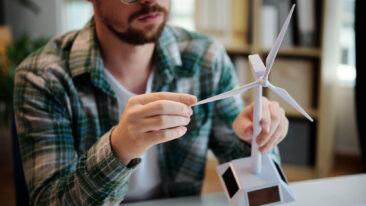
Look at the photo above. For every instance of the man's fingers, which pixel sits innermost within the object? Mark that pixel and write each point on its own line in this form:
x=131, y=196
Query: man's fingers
x=165, y=135
x=266, y=115
x=161, y=122
x=277, y=136
x=243, y=125
x=284, y=124
x=186, y=99
x=271, y=141
x=164, y=107
x=275, y=114
x=244, y=129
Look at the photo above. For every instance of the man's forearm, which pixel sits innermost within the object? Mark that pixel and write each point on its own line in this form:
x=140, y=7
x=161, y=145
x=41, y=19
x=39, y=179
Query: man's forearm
x=91, y=179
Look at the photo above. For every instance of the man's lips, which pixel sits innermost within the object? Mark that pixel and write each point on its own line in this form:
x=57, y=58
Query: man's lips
x=150, y=18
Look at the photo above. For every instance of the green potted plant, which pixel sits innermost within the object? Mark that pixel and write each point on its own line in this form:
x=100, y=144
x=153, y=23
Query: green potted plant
x=15, y=54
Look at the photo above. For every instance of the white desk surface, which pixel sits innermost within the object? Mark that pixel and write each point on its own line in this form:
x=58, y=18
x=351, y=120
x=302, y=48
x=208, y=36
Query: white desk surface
x=345, y=190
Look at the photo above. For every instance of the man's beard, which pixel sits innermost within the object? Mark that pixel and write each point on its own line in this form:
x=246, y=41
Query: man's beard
x=136, y=37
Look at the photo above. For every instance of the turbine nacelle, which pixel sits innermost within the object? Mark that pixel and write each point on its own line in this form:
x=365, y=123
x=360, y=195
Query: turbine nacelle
x=258, y=69
x=264, y=82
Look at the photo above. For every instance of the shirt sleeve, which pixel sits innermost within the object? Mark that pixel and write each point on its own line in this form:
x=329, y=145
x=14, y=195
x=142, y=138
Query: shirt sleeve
x=55, y=173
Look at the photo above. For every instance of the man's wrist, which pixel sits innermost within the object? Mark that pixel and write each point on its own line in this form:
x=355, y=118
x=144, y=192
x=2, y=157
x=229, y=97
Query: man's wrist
x=124, y=159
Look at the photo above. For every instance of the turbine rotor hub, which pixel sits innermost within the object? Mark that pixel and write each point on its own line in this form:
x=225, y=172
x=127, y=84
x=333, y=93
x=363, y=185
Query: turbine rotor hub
x=263, y=81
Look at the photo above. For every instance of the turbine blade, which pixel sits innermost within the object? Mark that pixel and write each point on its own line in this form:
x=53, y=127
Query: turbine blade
x=230, y=93
x=286, y=96
x=256, y=65
x=273, y=53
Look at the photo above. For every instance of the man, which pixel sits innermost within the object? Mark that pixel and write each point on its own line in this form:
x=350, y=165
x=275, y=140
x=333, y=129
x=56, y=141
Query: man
x=91, y=132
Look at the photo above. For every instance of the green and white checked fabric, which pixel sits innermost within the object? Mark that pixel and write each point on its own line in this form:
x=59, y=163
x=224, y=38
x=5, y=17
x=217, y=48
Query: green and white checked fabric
x=65, y=109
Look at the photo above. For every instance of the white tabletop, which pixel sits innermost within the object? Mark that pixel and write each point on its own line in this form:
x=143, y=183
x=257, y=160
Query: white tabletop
x=345, y=190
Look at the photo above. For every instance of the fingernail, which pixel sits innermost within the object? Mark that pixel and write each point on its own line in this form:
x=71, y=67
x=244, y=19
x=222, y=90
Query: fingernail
x=193, y=100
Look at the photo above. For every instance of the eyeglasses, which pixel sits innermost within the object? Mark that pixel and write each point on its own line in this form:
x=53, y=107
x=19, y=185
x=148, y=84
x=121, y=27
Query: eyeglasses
x=128, y=2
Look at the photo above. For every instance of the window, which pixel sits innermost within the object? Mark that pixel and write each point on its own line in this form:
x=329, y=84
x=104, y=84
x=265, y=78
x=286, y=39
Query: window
x=346, y=71
x=182, y=14
x=76, y=14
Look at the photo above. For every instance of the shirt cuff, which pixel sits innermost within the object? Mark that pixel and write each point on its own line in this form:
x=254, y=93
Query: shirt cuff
x=105, y=166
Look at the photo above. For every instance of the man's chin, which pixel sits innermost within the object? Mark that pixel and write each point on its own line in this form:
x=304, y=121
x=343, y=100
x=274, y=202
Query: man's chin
x=140, y=37
x=148, y=29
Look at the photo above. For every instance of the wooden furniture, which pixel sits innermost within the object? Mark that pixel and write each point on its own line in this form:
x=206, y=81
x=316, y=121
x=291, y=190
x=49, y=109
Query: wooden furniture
x=5, y=40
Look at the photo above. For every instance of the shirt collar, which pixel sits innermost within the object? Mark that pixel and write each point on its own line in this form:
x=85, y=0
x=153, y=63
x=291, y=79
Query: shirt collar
x=85, y=56
x=167, y=55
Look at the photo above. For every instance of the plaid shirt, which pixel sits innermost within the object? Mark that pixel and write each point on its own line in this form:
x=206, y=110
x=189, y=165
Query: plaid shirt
x=65, y=109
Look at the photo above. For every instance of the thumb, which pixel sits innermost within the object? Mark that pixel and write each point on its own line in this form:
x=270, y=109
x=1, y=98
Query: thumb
x=243, y=128
x=248, y=132
x=248, y=129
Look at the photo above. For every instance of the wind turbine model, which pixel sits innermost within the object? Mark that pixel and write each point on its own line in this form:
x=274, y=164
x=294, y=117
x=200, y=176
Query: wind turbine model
x=243, y=179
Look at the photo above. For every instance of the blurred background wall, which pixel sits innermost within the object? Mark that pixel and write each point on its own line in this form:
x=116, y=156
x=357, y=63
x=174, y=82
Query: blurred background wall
x=45, y=22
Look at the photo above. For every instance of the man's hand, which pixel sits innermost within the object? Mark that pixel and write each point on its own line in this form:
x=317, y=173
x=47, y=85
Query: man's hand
x=274, y=125
x=150, y=119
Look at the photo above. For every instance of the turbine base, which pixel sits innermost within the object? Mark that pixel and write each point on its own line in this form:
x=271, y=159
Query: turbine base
x=242, y=187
